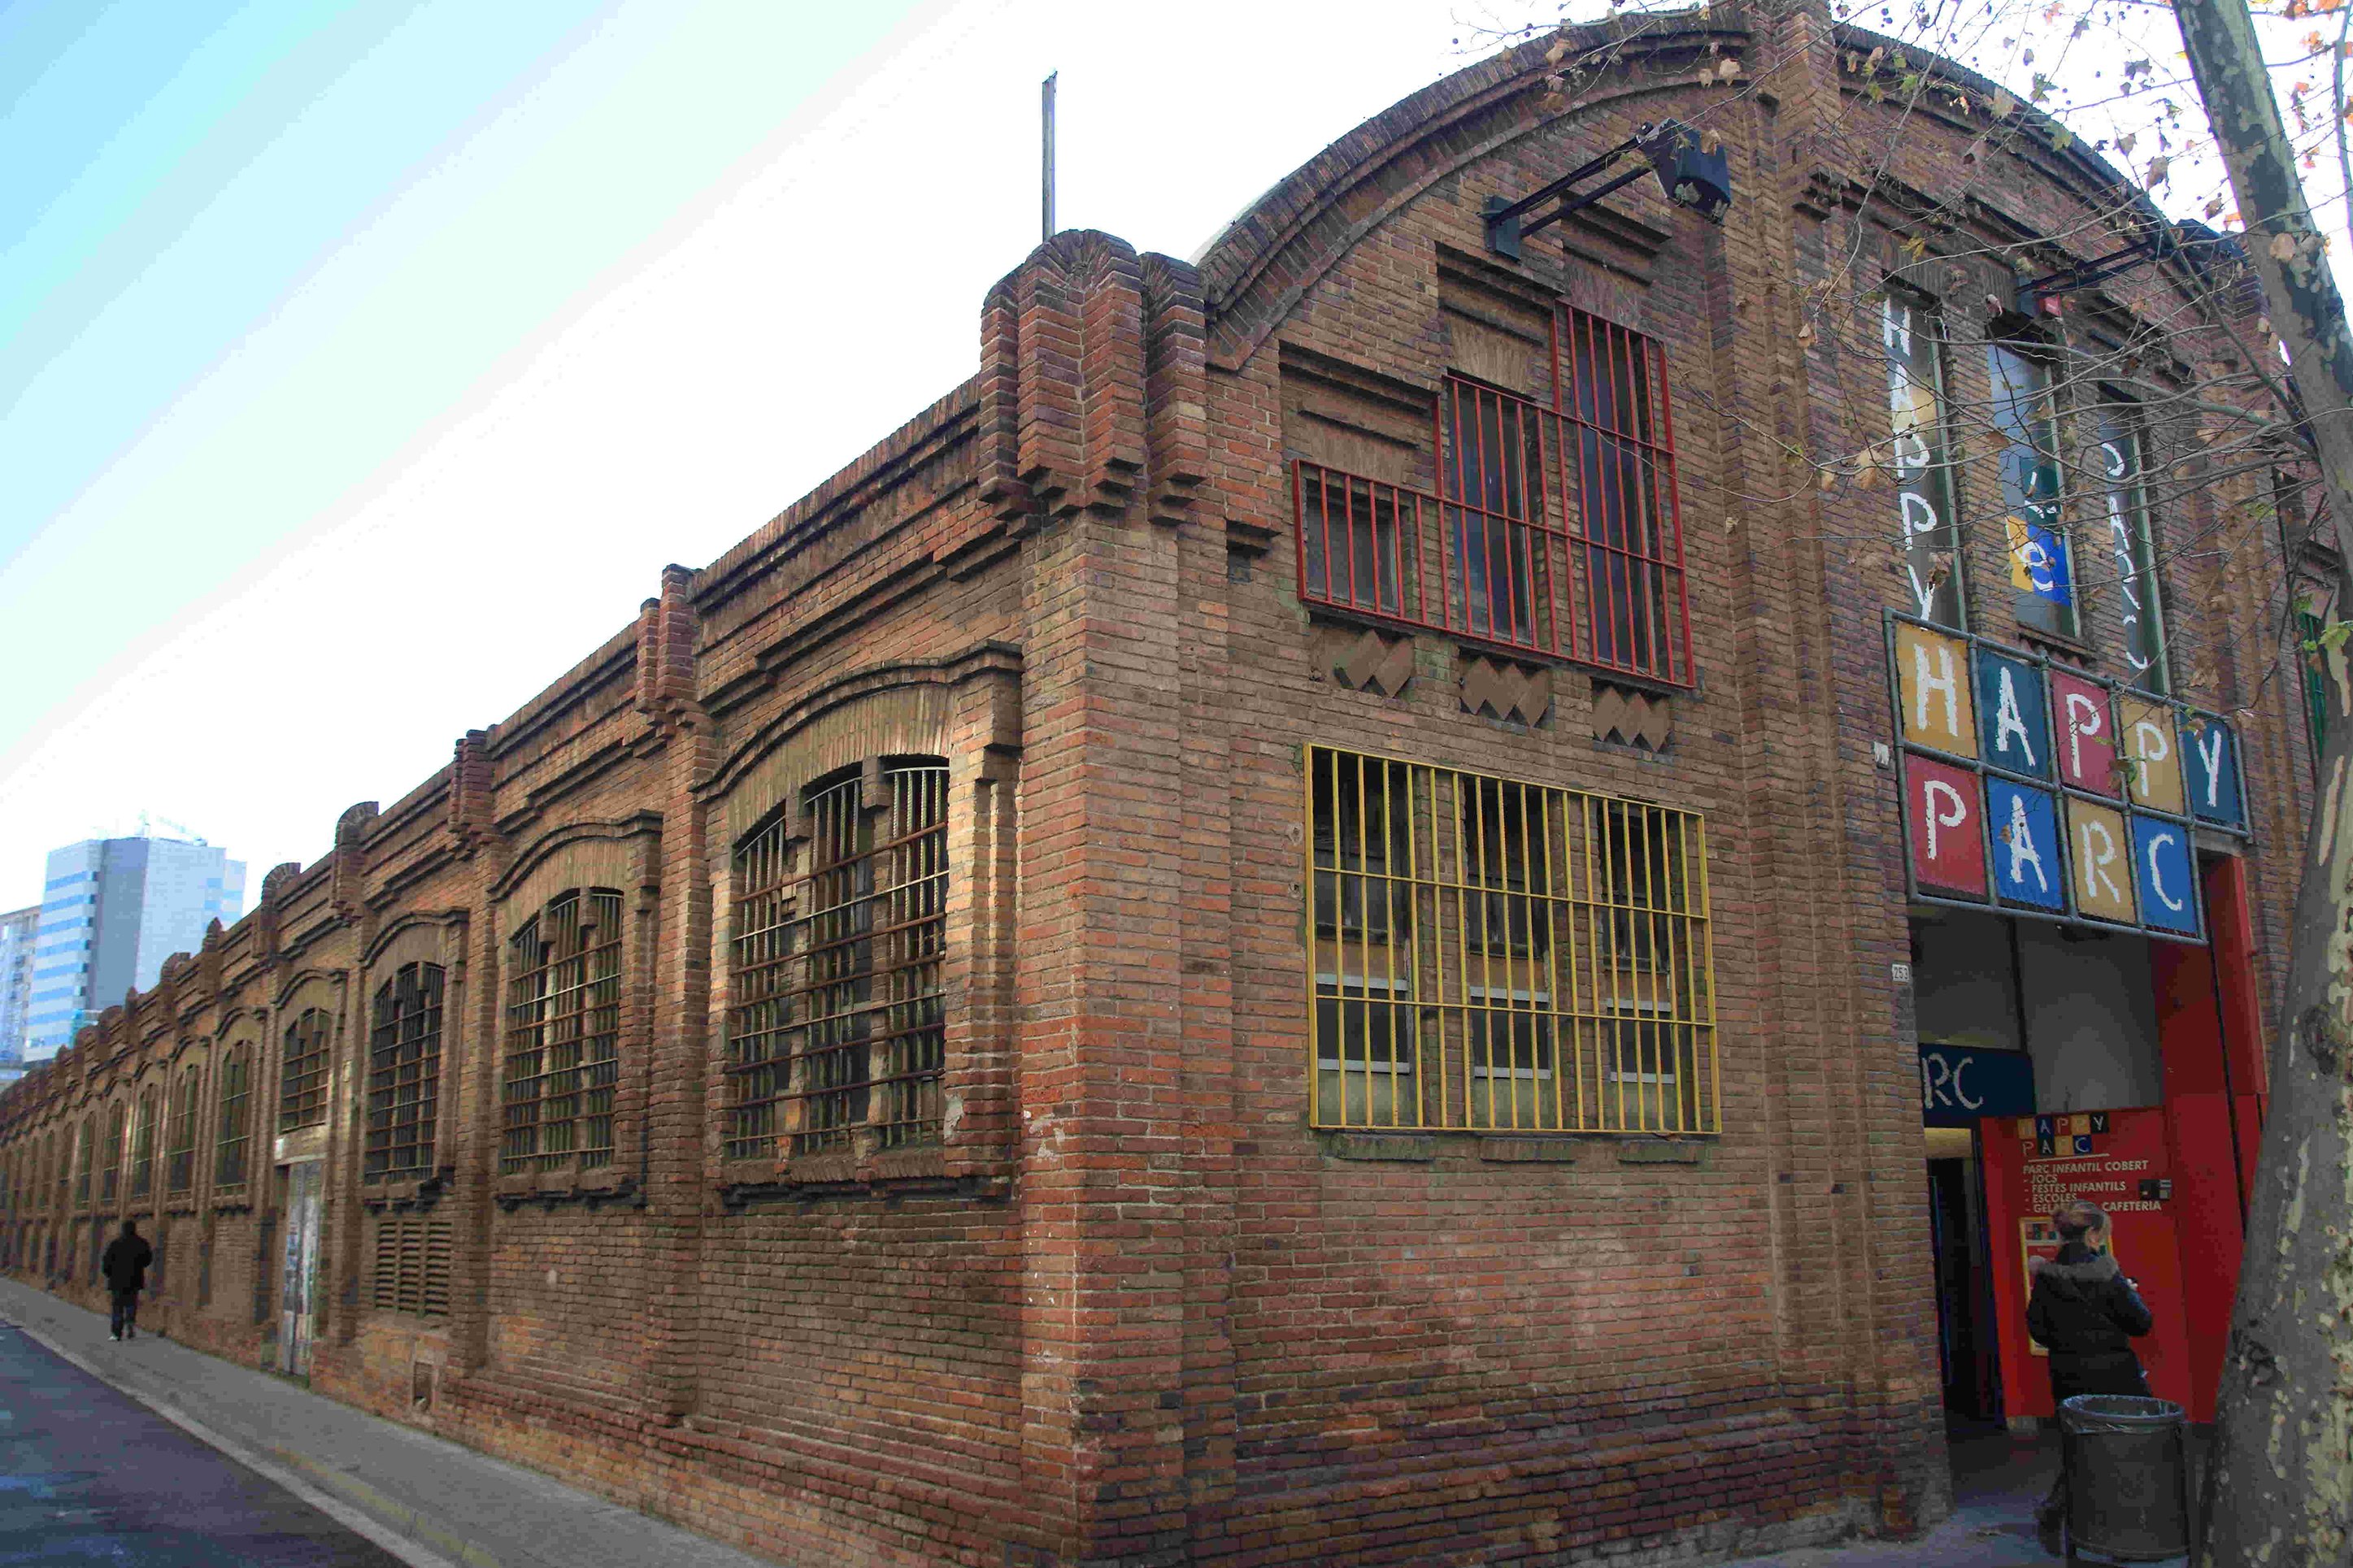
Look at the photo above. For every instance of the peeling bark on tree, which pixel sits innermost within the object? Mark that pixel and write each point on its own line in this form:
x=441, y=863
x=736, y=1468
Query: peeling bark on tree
x=2280, y=1490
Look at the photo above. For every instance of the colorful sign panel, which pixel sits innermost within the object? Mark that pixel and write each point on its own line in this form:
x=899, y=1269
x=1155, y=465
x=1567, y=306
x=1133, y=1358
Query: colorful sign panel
x=2118, y=1160
x=2048, y=791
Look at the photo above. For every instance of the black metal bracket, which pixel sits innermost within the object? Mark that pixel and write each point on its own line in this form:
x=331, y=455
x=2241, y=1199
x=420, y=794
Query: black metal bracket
x=1689, y=177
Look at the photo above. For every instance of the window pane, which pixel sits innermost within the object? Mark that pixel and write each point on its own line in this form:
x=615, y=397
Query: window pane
x=2042, y=565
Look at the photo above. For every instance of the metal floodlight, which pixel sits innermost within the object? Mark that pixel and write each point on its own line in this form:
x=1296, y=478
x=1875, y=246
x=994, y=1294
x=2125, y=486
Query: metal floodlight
x=2156, y=240
x=1689, y=176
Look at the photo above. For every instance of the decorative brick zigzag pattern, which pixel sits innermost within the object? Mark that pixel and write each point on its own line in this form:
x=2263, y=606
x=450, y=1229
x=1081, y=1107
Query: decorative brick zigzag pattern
x=1632, y=718
x=1365, y=661
x=1500, y=688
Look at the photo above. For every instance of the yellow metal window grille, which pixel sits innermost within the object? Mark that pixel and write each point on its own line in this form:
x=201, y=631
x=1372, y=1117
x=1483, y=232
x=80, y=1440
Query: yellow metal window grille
x=302, y=1072
x=403, y=1072
x=109, y=1174
x=840, y=1024
x=179, y=1167
x=1493, y=954
x=235, y=1090
x=564, y=1034
x=142, y=1147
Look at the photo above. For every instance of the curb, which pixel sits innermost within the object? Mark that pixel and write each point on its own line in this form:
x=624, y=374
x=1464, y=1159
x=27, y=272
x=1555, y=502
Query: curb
x=341, y=1497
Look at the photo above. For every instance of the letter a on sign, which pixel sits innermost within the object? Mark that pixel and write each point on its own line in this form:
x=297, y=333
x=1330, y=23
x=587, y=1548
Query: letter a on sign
x=1942, y=806
x=2027, y=866
x=2086, y=742
x=1932, y=674
x=2009, y=708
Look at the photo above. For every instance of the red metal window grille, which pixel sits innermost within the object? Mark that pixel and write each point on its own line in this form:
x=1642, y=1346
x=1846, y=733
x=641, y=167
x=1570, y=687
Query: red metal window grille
x=1617, y=469
x=1506, y=551
x=303, y=1074
x=142, y=1147
x=236, y=1091
x=1554, y=532
x=109, y=1176
x=179, y=1167
x=564, y=1034
x=403, y=1072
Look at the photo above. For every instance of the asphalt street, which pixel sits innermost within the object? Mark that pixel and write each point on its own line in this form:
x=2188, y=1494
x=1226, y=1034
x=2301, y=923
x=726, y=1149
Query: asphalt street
x=91, y=1476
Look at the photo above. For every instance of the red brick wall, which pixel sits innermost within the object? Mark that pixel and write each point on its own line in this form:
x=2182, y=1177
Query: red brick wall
x=1133, y=1309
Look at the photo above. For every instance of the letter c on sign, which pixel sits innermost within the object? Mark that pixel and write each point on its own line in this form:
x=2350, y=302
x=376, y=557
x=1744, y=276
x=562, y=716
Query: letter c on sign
x=1961, y=1096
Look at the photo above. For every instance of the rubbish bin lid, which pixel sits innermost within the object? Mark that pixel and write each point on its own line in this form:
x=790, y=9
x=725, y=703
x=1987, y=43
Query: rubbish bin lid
x=2118, y=1413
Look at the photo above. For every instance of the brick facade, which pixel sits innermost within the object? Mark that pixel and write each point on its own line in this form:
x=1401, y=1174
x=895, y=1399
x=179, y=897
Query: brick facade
x=1124, y=1304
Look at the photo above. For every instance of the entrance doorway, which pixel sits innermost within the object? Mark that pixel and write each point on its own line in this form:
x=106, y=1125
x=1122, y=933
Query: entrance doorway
x=305, y=1190
x=1968, y=1352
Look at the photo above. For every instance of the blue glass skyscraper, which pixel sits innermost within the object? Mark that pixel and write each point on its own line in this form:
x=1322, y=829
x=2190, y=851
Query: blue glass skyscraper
x=112, y=911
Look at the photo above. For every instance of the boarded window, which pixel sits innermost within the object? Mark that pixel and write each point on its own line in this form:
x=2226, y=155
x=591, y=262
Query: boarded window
x=412, y=1264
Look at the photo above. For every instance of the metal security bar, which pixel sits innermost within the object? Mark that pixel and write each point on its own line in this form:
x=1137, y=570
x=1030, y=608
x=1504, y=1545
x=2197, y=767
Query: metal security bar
x=302, y=1075
x=180, y=1162
x=1555, y=530
x=840, y=1023
x=1491, y=954
x=109, y=1174
x=235, y=1090
x=403, y=1072
x=1618, y=467
x=1506, y=554
x=142, y=1147
x=564, y=1034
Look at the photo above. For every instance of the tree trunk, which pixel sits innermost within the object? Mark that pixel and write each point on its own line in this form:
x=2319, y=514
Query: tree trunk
x=2280, y=1490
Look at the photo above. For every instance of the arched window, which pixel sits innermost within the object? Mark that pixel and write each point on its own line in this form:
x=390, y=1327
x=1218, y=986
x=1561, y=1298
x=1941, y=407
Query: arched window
x=180, y=1169
x=110, y=1173
x=839, y=1023
x=142, y=1146
x=235, y=1092
x=403, y=1072
x=564, y=1034
x=84, y=1155
x=302, y=1078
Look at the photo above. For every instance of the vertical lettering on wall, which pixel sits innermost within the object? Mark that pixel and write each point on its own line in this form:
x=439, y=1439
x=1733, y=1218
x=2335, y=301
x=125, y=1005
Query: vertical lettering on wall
x=1913, y=339
x=2138, y=605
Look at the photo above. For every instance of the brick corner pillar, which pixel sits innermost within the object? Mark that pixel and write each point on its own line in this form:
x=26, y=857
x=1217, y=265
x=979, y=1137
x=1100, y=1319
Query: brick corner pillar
x=1091, y=440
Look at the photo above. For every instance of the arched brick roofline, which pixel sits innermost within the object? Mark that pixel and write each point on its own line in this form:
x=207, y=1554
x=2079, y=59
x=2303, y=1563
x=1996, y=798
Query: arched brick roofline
x=1259, y=264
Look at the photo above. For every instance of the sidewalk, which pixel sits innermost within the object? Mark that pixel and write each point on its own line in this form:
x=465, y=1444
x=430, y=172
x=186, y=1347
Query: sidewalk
x=433, y=1502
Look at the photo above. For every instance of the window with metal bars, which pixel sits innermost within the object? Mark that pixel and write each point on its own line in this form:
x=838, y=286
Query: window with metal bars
x=2041, y=555
x=302, y=1072
x=179, y=1164
x=142, y=1146
x=1555, y=530
x=839, y=1025
x=1545, y=963
x=403, y=1073
x=85, y=1157
x=412, y=1264
x=562, y=1035
x=110, y=1174
x=230, y=1140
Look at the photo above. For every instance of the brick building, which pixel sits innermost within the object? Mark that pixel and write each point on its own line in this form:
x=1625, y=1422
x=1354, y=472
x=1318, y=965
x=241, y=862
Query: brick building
x=1287, y=928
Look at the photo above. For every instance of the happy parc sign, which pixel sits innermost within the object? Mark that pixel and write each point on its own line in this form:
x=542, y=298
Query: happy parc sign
x=2041, y=790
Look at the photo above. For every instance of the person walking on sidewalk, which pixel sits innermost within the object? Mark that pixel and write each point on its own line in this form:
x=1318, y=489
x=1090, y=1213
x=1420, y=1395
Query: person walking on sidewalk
x=2086, y=1313
x=125, y=1267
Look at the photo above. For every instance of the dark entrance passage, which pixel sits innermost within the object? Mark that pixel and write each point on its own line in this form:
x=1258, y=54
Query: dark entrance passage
x=1967, y=1352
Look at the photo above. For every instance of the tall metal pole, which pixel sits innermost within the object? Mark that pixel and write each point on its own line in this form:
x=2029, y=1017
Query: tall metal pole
x=1046, y=171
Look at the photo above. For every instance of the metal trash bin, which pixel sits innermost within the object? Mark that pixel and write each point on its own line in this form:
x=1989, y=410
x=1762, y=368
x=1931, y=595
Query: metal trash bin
x=2128, y=1461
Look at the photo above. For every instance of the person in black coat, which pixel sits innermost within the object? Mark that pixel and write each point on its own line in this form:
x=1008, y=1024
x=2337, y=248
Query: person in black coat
x=2086, y=1313
x=125, y=1263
